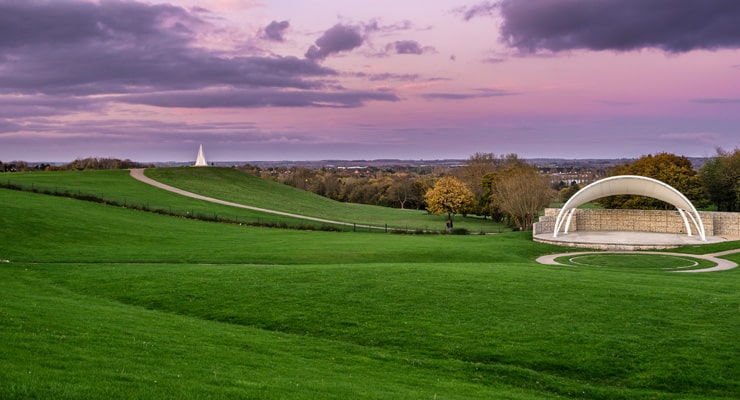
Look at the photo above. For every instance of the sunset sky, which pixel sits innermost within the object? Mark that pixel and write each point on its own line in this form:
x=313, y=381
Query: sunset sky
x=412, y=79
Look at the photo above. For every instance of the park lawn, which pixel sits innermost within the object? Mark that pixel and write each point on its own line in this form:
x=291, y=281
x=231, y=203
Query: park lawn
x=118, y=187
x=53, y=229
x=238, y=187
x=100, y=301
x=244, y=188
x=63, y=345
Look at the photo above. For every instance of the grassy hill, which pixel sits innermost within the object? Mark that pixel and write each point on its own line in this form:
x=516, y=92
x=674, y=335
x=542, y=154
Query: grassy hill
x=101, y=301
x=238, y=187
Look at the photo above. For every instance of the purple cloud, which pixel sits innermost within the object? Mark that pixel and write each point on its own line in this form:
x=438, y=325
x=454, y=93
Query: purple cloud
x=44, y=106
x=55, y=56
x=259, y=98
x=337, y=39
x=386, y=76
x=275, y=31
x=621, y=25
x=485, y=8
x=375, y=26
x=47, y=23
x=408, y=47
x=81, y=48
x=476, y=94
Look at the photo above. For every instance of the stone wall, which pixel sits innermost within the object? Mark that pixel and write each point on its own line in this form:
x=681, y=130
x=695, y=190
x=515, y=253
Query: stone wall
x=715, y=223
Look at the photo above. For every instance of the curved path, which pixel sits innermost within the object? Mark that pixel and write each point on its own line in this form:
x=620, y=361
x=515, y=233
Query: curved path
x=138, y=174
x=722, y=264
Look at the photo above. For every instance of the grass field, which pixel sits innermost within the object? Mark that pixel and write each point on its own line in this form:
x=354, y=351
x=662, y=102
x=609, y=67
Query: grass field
x=109, y=302
x=238, y=187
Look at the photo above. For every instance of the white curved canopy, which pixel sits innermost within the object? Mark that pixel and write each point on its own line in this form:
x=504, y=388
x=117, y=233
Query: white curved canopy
x=632, y=185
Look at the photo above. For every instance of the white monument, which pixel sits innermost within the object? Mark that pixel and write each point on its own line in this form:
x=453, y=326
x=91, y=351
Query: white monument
x=200, y=161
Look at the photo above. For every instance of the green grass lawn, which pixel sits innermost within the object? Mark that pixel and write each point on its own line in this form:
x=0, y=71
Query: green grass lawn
x=118, y=186
x=238, y=187
x=100, y=301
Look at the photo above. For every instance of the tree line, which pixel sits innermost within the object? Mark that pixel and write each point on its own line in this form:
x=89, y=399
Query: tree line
x=715, y=185
x=507, y=189
x=504, y=188
x=79, y=164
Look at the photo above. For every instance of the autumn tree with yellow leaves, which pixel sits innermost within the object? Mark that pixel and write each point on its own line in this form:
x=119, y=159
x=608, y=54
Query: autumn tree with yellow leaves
x=450, y=196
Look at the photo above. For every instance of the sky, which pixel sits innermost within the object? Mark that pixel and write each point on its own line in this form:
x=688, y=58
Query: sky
x=415, y=79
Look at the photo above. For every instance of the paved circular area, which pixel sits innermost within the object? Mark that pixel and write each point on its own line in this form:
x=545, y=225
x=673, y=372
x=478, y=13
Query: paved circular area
x=722, y=264
x=624, y=240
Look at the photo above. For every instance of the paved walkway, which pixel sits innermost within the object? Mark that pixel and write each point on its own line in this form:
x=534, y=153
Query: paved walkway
x=722, y=264
x=138, y=174
x=624, y=240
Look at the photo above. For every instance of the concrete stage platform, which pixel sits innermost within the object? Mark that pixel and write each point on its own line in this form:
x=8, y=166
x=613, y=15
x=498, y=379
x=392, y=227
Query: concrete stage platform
x=618, y=240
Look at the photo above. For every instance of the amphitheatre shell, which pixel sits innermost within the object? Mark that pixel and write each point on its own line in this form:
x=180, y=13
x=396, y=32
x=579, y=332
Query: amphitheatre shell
x=631, y=185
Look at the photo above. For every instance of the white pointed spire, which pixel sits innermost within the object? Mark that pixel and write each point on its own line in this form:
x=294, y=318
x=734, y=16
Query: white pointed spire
x=200, y=161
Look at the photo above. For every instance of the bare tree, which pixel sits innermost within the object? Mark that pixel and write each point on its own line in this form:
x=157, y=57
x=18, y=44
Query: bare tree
x=522, y=192
x=402, y=189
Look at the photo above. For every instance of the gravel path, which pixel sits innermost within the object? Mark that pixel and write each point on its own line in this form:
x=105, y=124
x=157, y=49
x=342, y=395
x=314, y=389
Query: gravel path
x=722, y=264
x=138, y=174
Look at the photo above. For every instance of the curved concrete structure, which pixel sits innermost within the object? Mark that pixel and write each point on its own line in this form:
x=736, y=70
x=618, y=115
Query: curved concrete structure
x=631, y=185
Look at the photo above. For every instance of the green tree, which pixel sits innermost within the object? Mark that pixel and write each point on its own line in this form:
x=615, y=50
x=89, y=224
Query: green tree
x=450, y=196
x=721, y=179
x=668, y=168
x=567, y=192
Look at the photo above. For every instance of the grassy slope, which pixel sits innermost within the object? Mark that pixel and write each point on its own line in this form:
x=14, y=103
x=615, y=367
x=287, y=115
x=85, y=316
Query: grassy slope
x=118, y=186
x=233, y=185
x=343, y=315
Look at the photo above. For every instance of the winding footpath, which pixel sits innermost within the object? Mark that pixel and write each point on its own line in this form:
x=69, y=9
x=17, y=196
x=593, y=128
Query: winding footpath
x=138, y=174
x=722, y=264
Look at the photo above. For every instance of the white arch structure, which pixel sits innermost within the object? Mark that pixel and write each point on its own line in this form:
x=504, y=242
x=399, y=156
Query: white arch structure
x=635, y=185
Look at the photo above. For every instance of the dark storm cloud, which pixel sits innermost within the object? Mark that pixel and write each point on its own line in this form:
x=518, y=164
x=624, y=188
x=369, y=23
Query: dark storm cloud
x=275, y=31
x=337, y=39
x=622, y=25
x=476, y=94
x=259, y=98
x=408, y=47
